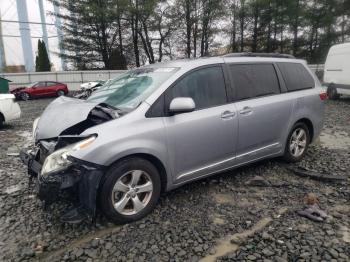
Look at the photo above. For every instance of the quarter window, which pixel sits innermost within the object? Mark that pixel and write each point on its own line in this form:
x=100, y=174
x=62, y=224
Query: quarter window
x=254, y=80
x=296, y=76
x=205, y=86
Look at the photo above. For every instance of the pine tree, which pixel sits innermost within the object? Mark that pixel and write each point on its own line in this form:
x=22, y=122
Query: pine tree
x=42, y=62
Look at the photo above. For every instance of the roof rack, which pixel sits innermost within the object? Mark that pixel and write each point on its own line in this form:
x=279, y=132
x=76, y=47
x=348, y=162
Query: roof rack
x=250, y=54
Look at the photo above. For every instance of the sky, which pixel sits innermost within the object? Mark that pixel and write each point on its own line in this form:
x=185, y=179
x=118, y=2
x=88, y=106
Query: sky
x=13, y=46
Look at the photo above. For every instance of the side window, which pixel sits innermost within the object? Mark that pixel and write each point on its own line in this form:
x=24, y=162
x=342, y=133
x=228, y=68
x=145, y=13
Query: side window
x=205, y=86
x=51, y=83
x=40, y=84
x=157, y=109
x=296, y=76
x=254, y=80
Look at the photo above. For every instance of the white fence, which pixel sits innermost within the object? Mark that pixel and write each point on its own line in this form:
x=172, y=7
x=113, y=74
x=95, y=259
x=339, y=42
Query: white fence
x=75, y=78
x=72, y=78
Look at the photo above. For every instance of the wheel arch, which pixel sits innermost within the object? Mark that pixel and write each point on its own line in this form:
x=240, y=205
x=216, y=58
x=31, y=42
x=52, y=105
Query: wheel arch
x=153, y=160
x=309, y=125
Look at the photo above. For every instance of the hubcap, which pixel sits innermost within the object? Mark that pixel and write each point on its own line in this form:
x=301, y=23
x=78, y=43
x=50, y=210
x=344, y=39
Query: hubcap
x=297, y=142
x=132, y=192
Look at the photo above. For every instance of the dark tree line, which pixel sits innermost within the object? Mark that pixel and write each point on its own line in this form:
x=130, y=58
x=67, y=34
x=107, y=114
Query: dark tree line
x=116, y=34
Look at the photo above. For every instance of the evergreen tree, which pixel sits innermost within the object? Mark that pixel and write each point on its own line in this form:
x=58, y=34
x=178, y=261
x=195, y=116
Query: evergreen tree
x=42, y=62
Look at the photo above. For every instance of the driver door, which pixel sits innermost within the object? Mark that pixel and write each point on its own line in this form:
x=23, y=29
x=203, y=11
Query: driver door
x=203, y=141
x=39, y=89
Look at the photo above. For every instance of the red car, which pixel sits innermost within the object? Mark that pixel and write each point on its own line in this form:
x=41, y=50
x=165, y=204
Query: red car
x=40, y=89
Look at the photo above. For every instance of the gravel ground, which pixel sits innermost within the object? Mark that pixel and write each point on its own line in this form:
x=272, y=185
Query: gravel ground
x=196, y=221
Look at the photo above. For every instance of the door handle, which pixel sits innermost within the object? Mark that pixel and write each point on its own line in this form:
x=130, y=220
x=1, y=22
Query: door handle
x=228, y=114
x=246, y=110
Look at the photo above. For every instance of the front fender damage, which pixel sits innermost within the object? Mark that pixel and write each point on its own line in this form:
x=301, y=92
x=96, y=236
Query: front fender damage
x=79, y=181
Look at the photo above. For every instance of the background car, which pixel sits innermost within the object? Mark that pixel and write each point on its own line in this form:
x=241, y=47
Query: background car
x=40, y=89
x=336, y=71
x=9, y=109
x=88, y=88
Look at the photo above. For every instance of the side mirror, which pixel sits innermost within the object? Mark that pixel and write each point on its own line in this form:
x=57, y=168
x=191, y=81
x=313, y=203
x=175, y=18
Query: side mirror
x=182, y=105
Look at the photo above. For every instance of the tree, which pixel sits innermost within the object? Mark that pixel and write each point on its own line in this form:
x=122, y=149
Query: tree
x=42, y=62
x=116, y=34
x=91, y=31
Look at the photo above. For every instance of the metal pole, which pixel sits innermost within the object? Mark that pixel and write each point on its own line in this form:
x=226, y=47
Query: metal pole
x=25, y=35
x=2, y=49
x=60, y=36
x=43, y=26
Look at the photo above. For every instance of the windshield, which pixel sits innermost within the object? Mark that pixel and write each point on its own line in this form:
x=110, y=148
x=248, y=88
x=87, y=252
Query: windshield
x=128, y=90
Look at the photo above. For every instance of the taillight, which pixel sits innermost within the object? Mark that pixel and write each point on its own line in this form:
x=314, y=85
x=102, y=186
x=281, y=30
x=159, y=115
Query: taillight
x=323, y=96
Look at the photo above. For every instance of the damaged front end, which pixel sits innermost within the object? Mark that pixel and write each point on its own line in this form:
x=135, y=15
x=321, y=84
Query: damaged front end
x=56, y=171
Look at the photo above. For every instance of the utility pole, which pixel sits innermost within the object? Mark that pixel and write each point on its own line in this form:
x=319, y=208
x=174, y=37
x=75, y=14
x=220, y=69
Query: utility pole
x=43, y=26
x=2, y=50
x=25, y=35
x=59, y=33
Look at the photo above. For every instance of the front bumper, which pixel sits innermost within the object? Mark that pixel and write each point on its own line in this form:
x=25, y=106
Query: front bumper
x=83, y=177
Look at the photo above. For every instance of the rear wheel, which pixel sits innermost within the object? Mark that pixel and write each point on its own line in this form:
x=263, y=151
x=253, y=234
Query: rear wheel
x=332, y=92
x=25, y=96
x=297, y=143
x=130, y=191
x=60, y=93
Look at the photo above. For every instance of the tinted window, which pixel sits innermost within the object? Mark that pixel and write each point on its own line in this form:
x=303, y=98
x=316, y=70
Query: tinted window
x=205, y=86
x=254, y=80
x=296, y=76
x=40, y=84
x=51, y=83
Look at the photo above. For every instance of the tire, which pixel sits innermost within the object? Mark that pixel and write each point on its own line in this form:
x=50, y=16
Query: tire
x=2, y=120
x=25, y=96
x=332, y=92
x=291, y=154
x=60, y=93
x=119, y=197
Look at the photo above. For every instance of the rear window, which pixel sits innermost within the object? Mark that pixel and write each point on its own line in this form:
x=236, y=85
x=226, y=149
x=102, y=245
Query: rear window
x=296, y=76
x=254, y=80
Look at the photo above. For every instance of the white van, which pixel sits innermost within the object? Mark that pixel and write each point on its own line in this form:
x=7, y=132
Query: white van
x=337, y=71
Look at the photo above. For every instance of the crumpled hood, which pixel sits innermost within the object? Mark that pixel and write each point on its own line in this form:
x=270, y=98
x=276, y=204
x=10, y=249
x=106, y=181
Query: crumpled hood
x=61, y=114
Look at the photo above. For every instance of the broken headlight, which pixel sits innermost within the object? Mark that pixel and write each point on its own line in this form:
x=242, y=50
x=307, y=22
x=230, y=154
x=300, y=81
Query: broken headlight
x=59, y=161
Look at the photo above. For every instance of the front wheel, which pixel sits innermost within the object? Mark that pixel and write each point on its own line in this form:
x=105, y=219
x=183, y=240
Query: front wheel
x=25, y=96
x=297, y=143
x=130, y=191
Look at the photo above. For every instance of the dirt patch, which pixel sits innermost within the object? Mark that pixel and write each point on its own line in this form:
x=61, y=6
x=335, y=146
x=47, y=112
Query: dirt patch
x=335, y=140
x=232, y=243
x=218, y=220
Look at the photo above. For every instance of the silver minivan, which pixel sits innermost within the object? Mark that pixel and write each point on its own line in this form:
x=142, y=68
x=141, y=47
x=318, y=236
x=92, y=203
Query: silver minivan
x=157, y=127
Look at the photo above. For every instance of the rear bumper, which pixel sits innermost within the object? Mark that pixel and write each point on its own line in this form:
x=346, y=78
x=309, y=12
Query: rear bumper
x=83, y=178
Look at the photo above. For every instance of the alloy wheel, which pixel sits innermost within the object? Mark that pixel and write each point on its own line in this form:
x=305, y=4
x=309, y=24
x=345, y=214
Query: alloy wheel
x=24, y=96
x=298, y=142
x=132, y=192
